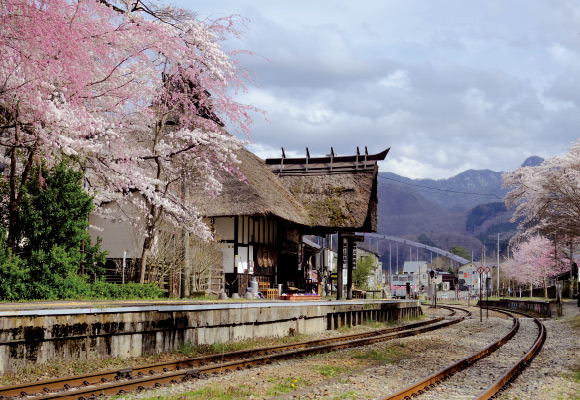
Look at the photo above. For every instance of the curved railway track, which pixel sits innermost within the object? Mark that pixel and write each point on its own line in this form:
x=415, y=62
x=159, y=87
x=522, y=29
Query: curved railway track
x=152, y=375
x=495, y=365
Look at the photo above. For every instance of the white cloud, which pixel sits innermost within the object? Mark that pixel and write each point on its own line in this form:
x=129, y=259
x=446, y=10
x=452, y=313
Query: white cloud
x=564, y=55
x=398, y=79
x=476, y=103
x=484, y=86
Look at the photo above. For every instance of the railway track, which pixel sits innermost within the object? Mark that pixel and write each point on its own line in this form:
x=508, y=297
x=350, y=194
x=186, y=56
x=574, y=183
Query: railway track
x=485, y=373
x=139, y=378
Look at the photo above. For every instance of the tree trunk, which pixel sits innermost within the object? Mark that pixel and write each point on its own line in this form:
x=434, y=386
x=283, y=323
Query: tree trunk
x=144, y=255
x=16, y=189
x=148, y=241
x=545, y=288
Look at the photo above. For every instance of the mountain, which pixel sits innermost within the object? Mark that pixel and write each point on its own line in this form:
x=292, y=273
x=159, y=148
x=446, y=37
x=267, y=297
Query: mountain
x=465, y=210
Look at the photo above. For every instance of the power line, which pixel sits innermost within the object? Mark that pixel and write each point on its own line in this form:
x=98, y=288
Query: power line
x=443, y=190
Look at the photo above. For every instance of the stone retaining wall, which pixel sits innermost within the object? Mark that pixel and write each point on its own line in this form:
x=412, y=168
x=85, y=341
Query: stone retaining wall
x=42, y=335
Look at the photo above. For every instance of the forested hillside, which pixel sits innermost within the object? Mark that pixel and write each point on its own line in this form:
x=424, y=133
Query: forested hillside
x=465, y=210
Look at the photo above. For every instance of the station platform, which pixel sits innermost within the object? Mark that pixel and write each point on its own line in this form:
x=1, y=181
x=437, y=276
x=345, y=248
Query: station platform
x=40, y=331
x=570, y=309
x=63, y=307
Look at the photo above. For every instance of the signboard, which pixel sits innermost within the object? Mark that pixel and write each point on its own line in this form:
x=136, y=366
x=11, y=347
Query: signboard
x=344, y=253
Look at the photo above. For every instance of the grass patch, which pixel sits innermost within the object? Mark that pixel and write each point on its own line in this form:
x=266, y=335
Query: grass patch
x=388, y=355
x=217, y=393
x=59, y=368
x=285, y=385
x=190, y=350
x=329, y=370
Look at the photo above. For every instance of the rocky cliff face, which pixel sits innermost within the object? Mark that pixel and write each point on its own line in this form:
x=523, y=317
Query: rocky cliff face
x=446, y=210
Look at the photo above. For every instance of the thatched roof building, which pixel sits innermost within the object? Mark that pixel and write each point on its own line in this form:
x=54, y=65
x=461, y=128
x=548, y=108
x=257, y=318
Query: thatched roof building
x=261, y=194
x=339, y=193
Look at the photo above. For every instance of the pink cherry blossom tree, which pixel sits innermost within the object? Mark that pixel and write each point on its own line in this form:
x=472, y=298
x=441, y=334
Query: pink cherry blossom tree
x=547, y=197
x=138, y=92
x=534, y=261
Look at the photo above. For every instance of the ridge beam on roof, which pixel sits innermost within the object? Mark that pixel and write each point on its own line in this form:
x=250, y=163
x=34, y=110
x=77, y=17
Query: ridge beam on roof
x=331, y=163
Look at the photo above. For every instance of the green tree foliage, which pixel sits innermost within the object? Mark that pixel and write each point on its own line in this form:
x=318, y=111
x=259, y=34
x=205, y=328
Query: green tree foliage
x=482, y=213
x=360, y=275
x=53, y=220
x=424, y=239
x=461, y=252
x=53, y=241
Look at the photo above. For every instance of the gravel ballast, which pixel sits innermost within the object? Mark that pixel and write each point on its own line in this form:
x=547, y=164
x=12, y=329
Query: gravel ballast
x=374, y=371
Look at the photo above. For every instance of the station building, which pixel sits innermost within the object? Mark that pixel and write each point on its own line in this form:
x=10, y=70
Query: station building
x=263, y=222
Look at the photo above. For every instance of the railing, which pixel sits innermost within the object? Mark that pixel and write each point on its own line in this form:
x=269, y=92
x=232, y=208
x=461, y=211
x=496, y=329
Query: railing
x=540, y=307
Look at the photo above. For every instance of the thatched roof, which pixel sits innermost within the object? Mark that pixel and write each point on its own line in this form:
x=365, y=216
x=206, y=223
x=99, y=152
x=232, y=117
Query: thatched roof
x=325, y=194
x=261, y=195
x=344, y=200
x=338, y=192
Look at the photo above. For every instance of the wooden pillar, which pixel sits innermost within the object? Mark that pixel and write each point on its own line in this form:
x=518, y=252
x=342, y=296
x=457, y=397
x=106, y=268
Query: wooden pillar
x=235, y=285
x=350, y=244
x=339, y=265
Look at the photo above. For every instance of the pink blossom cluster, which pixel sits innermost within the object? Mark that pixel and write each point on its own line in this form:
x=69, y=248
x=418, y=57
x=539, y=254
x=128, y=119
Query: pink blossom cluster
x=138, y=91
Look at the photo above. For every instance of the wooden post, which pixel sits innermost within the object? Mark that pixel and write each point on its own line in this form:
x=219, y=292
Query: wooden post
x=339, y=265
x=350, y=243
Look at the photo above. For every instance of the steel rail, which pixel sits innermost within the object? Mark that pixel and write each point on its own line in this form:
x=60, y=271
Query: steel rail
x=498, y=385
x=430, y=381
x=140, y=382
x=58, y=384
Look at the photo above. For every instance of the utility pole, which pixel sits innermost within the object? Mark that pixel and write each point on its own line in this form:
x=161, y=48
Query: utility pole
x=498, y=263
x=482, y=266
x=397, y=257
x=390, y=262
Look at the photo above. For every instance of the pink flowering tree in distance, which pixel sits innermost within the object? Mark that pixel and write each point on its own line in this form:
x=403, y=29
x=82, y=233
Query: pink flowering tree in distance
x=547, y=197
x=534, y=261
x=136, y=91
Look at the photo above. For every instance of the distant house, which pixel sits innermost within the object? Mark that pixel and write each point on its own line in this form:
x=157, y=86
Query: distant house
x=469, y=277
x=413, y=267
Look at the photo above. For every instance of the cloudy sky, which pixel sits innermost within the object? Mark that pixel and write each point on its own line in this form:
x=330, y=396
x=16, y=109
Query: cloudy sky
x=447, y=85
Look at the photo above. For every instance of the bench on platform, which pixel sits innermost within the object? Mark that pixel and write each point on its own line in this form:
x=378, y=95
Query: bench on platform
x=267, y=291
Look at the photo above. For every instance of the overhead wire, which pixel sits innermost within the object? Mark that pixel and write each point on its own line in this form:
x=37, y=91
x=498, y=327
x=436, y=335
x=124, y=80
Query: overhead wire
x=443, y=191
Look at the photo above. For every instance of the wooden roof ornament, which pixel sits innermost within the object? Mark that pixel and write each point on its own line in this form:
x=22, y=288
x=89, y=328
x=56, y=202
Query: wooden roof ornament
x=333, y=163
x=337, y=192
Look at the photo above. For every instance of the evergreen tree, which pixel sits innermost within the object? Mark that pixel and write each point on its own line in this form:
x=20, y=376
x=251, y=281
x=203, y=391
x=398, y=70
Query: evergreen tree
x=53, y=243
x=54, y=213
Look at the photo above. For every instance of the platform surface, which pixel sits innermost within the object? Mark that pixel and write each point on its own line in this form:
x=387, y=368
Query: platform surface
x=570, y=309
x=120, y=306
